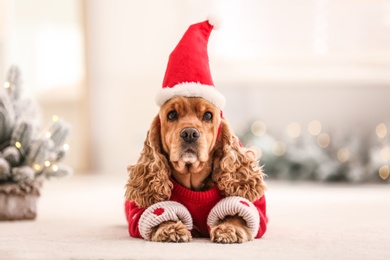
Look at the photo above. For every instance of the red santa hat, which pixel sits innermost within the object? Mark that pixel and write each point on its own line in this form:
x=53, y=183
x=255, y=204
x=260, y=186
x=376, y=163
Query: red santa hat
x=188, y=72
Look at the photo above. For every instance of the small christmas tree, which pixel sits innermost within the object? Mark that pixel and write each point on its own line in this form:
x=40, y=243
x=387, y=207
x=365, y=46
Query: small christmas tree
x=28, y=154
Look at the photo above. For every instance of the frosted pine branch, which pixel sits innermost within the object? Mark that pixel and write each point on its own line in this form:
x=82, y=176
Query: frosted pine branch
x=15, y=83
x=25, y=152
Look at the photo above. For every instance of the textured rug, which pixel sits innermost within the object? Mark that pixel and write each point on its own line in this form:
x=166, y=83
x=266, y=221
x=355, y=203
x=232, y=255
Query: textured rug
x=82, y=218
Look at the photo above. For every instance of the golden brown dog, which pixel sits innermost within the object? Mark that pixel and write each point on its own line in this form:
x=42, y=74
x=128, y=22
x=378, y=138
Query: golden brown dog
x=191, y=143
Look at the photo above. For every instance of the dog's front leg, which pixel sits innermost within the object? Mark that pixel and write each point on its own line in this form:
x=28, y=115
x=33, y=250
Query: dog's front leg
x=170, y=231
x=232, y=229
x=166, y=221
x=233, y=220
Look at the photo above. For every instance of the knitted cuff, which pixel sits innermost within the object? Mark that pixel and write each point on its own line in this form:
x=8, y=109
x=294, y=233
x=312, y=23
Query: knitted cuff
x=235, y=205
x=161, y=212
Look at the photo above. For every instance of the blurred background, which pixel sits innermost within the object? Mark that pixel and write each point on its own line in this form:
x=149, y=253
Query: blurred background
x=307, y=82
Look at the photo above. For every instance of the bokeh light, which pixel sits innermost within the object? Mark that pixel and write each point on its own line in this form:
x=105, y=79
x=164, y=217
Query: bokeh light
x=384, y=172
x=381, y=130
x=314, y=127
x=258, y=128
x=385, y=154
x=323, y=140
x=279, y=148
x=343, y=155
x=294, y=130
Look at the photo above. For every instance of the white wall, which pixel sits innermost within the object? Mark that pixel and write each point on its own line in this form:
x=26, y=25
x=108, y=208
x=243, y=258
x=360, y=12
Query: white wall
x=128, y=44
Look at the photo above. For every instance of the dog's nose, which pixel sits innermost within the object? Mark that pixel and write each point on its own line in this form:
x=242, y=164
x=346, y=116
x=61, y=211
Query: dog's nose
x=189, y=134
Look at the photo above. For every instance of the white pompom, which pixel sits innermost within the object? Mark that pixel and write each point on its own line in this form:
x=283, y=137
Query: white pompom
x=215, y=21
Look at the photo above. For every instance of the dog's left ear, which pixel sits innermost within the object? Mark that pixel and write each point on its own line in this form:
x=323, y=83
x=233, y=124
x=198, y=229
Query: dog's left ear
x=148, y=181
x=236, y=170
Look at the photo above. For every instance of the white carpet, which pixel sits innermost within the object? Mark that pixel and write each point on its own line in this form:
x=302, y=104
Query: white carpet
x=83, y=218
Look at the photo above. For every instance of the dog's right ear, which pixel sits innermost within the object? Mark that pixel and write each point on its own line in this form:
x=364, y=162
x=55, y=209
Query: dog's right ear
x=148, y=181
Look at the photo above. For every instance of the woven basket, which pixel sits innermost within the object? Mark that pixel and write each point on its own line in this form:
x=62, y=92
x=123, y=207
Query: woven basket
x=19, y=201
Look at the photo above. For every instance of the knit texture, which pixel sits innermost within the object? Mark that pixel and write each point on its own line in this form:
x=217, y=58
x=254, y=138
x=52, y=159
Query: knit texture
x=199, y=204
x=162, y=212
x=235, y=205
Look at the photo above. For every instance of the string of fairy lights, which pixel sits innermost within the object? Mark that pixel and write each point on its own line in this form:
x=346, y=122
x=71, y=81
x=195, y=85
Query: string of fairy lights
x=343, y=153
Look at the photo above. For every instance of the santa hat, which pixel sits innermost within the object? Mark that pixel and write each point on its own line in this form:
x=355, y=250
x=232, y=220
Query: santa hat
x=188, y=72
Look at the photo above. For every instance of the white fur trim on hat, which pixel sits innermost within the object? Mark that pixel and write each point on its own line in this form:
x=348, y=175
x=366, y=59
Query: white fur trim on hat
x=215, y=21
x=191, y=89
x=161, y=212
x=235, y=205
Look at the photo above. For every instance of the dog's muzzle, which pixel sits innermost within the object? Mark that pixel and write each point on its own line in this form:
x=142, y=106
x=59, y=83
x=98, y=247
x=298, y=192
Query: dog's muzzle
x=189, y=152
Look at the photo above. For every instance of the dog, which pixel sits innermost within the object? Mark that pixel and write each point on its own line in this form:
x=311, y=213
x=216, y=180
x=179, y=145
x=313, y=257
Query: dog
x=190, y=143
x=193, y=177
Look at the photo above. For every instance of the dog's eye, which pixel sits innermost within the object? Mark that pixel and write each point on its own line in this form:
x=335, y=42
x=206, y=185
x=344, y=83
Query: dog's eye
x=207, y=116
x=172, y=116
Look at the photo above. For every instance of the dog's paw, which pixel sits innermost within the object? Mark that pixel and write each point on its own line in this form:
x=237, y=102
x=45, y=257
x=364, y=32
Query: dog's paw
x=228, y=233
x=171, y=232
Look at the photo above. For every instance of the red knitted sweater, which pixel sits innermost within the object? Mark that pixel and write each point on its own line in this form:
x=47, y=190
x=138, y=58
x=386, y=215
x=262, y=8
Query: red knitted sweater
x=198, y=204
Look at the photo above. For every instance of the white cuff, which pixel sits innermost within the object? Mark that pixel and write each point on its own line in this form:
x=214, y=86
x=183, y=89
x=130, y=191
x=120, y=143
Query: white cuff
x=235, y=205
x=161, y=212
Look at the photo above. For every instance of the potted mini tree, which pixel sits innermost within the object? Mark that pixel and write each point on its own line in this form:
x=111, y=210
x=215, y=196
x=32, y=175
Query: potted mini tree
x=29, y=154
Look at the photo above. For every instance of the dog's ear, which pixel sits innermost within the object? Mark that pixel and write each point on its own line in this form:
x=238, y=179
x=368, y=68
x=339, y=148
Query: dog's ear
x=236, y=170
x=148, y=181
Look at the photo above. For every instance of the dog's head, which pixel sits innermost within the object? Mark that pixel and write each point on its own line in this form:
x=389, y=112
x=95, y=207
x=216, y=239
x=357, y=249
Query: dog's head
x=189, y=141
x=189, y=132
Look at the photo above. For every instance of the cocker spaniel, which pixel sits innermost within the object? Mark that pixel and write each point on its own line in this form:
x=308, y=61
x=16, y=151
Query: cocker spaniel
x=194, y=178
